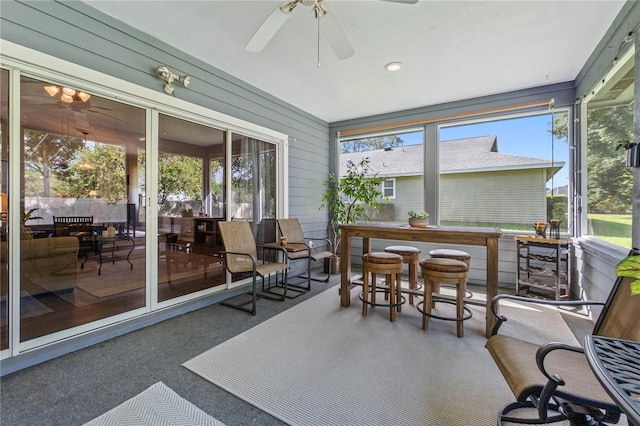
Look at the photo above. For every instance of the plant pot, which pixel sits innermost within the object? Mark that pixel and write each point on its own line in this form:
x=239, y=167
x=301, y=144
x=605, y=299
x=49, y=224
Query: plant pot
x=335, y=265
x=633, y=156
x=419, y=222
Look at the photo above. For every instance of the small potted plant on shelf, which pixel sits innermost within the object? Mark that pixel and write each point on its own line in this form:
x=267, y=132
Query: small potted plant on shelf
x=348, y=199
x=418, y=219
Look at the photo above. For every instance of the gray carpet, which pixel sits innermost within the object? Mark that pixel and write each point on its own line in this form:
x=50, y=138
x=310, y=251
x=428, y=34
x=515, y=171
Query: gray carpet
x=76, y=388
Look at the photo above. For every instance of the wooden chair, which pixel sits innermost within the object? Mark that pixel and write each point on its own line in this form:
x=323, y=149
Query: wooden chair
x=240, y=255
x=556, y=377
x=291, y=229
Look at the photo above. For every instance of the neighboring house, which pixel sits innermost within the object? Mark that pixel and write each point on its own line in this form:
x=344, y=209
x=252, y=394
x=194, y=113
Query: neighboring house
x=477, y=184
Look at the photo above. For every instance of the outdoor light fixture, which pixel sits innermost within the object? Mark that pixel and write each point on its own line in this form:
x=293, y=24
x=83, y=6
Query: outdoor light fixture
x=68, y=94
x=393, y=66
x=165, y=73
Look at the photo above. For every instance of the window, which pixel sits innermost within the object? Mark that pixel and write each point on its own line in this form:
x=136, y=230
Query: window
x=398, y=157
x=609, y=186
x=389, y=188
x=508, y=172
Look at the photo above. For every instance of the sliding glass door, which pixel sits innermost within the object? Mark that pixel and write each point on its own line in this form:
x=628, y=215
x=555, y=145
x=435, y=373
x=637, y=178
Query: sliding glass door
x=82, y=247
x=190, y=204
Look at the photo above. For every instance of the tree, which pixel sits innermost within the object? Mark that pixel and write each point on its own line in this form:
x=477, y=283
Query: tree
x=180, y=176
x=369, y=144
x=98, y=167
x=46, y=159
x=609, y=182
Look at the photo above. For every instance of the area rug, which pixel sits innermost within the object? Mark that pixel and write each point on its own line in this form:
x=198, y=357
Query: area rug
x=320, y=364
x=119, y=277
x=158, y=405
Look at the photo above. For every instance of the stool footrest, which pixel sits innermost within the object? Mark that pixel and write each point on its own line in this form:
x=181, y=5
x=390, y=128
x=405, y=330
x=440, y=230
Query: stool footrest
x=385, y=305
x=464, y=318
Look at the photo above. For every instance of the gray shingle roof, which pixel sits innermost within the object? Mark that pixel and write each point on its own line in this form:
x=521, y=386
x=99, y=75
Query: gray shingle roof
x=456, y=156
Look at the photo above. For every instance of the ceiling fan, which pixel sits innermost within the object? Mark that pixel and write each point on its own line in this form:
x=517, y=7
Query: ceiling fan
x=332, y=28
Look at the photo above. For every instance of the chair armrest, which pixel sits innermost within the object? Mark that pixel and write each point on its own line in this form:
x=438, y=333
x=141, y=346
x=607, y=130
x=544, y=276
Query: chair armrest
x=553, y=380
x=495, y=306
x=326, y=240
x=545, y=350
x=281, y=249
x=254, y=262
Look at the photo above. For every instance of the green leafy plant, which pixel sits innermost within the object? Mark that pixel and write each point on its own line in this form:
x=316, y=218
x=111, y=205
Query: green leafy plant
x=630, y=267
x=28, y=215
x=418, y=215
x=348, y=197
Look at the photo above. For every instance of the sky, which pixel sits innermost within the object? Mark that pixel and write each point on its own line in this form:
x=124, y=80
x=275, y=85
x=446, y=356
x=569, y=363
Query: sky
x=525, y=136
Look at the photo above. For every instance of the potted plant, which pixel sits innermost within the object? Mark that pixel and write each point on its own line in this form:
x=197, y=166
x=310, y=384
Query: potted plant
x=630, y=267
x=418, y=219
x=348, y=199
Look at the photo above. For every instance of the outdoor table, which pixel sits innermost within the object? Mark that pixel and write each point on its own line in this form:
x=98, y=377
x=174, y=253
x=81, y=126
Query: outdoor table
x=475, y=236
x=616, y=364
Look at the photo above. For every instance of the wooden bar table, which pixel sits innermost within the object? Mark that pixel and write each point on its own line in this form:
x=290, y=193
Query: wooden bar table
x=474, y=236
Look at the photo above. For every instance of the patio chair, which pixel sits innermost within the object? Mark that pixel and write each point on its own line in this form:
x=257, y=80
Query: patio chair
x=292, y=231
x=240, y=255
x=555, y=378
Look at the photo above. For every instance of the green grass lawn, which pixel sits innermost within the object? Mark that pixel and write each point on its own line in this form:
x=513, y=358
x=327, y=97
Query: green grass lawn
x=612, y=228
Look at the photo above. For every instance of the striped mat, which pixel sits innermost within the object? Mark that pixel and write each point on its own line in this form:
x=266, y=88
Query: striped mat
x=320, y=364
x=158, y=405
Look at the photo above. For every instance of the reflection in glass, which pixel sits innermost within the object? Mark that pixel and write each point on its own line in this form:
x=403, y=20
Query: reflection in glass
x=4, y=182
x=188, y=209
x=253, y=186
x=82, y=244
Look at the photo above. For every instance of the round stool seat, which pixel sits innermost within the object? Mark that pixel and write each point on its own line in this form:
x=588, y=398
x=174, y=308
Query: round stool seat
x=390, y=265
x=382, y=258
x=444, y=265
x=402, y=250
x=446, y=271
x=451, y=254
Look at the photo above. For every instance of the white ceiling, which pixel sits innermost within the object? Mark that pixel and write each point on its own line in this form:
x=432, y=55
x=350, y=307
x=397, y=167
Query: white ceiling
x=451, y=50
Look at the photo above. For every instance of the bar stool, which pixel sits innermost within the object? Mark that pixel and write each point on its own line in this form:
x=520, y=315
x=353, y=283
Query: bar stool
x=460, y=255
x=389, y=264
x=450, y=271
x=411, y=256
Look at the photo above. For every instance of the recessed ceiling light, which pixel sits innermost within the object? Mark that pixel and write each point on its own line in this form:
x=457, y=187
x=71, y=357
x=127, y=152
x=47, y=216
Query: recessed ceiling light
x=393, y=66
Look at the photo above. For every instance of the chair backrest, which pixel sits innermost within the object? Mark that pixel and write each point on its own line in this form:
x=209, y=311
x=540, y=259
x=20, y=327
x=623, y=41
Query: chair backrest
x=237, y=237
x=291, y=229
x=620, y=317
x=62, y=225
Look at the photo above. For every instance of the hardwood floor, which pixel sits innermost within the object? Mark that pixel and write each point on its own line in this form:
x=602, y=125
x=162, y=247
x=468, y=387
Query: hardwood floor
x=75, y=307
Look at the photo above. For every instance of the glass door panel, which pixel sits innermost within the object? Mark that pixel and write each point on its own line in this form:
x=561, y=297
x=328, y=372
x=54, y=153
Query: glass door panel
x=4, y=182
x=191, y=203
x=82, y=257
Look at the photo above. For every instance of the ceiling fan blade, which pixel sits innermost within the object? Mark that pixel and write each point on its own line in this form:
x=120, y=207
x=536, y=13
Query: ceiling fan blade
x=267, y=30
x=336, y=36
x=402, y=1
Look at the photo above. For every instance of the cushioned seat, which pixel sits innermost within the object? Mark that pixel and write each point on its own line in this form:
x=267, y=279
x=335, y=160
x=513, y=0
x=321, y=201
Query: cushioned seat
x=389, y=264
x=450, y=271
x=460, y=255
